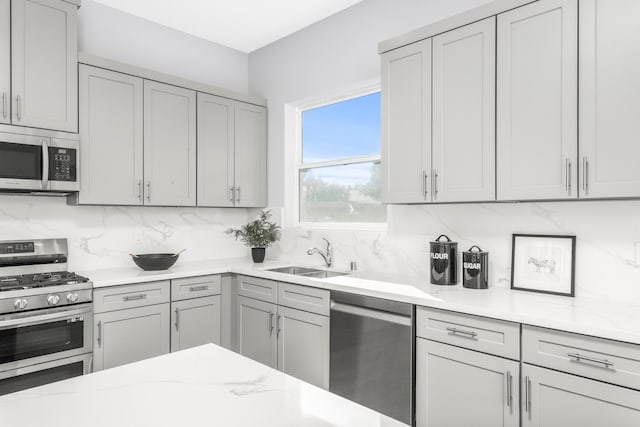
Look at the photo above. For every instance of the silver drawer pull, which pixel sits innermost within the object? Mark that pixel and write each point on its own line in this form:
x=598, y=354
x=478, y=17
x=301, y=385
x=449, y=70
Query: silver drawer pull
x=134, y=297
x=198, y=288
x=469, y=334
x=579, y=358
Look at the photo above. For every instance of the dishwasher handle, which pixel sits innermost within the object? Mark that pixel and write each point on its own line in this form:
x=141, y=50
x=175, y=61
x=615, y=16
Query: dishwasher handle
x=373, y=314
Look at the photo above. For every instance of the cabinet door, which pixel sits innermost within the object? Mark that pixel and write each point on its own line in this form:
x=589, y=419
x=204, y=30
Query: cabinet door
x=303, y=345
x=406, y=123
x=110, y=137
x=537, y=101
x=256, y=330
x=126, y=336
x=448, y=377
x=195, y=322
x=609, y=92
x=5, y=61
x=250, y=155
x=169, y=145
x=552, y=399
x=464, y=77
x=44, y=66
x=215, y=151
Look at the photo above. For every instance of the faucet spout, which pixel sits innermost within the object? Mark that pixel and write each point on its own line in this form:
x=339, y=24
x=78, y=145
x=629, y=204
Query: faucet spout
x=326, y=255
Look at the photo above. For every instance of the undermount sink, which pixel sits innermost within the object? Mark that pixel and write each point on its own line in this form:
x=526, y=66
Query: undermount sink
x=307, y=272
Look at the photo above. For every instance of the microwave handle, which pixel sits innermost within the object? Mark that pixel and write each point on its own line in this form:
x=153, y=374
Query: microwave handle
x=45, y=165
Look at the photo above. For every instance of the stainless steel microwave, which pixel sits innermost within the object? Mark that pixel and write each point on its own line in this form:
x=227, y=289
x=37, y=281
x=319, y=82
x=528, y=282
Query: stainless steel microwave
x=31, y=163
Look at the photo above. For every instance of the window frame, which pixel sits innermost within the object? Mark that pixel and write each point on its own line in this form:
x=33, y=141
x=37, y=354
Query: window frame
x=299, y=166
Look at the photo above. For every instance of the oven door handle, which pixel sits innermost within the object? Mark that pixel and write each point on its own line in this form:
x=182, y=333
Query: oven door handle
x=44, y=318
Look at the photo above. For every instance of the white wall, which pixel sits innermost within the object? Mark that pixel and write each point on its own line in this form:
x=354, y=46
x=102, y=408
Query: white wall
x=340, y=53
x=110, y=33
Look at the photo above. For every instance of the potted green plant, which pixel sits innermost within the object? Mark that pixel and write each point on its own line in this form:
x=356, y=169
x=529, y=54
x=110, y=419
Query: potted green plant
x=259, y=234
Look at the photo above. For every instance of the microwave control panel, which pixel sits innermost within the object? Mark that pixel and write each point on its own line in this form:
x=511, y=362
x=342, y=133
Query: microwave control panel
x=62, y=164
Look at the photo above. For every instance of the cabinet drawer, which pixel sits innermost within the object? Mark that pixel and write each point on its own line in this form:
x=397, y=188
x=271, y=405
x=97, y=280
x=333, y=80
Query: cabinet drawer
x=491, y=336
x=304, y=298
x=194, y=287
x=611, y=361
x=129, y=296
x=261, y=289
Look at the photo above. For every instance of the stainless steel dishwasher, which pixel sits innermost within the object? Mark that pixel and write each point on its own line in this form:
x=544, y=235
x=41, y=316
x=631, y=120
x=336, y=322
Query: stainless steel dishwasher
x=372, y=353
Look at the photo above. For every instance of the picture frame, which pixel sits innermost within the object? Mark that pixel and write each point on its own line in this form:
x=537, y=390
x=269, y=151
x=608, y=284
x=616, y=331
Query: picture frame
x=543, y=263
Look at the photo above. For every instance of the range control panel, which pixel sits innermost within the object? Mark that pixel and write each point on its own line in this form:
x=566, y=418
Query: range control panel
x=17, y=248
x=62, y=164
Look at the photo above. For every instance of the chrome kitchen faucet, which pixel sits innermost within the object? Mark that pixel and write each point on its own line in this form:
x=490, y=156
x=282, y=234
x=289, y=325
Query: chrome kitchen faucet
x=326, y=255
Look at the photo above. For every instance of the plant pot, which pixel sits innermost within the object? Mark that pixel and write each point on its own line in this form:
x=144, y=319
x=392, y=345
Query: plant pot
x=258, y=254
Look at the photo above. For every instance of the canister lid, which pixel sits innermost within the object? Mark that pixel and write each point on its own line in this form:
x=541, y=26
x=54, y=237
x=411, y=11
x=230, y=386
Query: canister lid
x=440, y=237
x=479, y=250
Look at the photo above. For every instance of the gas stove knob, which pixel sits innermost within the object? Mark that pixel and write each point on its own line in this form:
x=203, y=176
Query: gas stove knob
x=20, y=304
x=72, y=297
x=53, y=299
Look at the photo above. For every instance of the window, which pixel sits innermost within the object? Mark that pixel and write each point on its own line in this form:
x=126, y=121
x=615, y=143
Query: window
x=339, y=162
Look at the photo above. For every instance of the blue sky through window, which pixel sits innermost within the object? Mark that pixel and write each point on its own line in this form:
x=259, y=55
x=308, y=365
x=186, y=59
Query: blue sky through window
x=345, y=129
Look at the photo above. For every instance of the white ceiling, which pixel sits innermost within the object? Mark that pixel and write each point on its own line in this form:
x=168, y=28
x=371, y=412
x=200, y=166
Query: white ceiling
x=244, y=25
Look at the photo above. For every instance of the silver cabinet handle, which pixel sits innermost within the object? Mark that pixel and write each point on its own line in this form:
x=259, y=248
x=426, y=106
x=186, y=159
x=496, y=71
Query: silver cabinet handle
x=19, y=108
x=149, y=191
x=435, y=184
x=177, y=317
x=270, y=323
x=579, y=358
x=585, y=174
x=527, y=395
x=469, y=334
x=4, y=105
x=425, y=178
x=45, y=165
x=232, y=194
x=238, y=194
x=509, y=390
x=140, y=190
x=198, y=288
x=567, y=165
x=134, y=297
x=99, y=333
x=278, y=322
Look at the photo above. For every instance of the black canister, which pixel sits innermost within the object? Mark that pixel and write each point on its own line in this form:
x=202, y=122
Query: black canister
x=475, y=268
x=444, y=261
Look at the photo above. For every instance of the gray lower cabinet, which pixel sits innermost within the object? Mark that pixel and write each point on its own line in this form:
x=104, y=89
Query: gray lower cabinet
x=552, y=398
x=255, y=328
x=125, y=336
x=450, y=378
x=195, y=322
x=284, y=337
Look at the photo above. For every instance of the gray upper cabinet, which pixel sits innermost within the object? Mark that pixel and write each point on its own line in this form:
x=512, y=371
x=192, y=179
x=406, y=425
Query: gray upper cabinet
x=464, y=114
x=609, y=93
x=44, y=72
x=5, y=61
x=169, y=145
x=406, y=123
x=250, y=165
x=111, y=141
x=537, y=101
x=215, y=151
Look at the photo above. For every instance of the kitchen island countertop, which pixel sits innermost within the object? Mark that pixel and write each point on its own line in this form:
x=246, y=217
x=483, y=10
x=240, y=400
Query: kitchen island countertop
x=202, y=386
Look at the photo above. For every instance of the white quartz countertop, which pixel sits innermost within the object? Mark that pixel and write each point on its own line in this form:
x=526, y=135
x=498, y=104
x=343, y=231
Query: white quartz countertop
x=202, y=386
x=605, y=319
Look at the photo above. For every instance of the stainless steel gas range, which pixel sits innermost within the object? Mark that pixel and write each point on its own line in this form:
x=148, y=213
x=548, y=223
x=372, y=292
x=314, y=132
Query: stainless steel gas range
x=46, y=315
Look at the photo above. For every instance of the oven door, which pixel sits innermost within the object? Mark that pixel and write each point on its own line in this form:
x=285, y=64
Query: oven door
x=41, y=336
x=22, y=162
x=44, y=373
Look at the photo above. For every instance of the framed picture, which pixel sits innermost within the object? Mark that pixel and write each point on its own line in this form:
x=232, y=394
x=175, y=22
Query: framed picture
x=541, y=263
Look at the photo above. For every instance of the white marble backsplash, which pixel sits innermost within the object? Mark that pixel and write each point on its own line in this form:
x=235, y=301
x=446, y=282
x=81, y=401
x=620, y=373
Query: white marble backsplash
x=103, y=236
x=605, y=246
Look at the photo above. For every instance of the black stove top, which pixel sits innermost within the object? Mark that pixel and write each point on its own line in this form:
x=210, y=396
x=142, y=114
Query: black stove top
x=40, y=280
